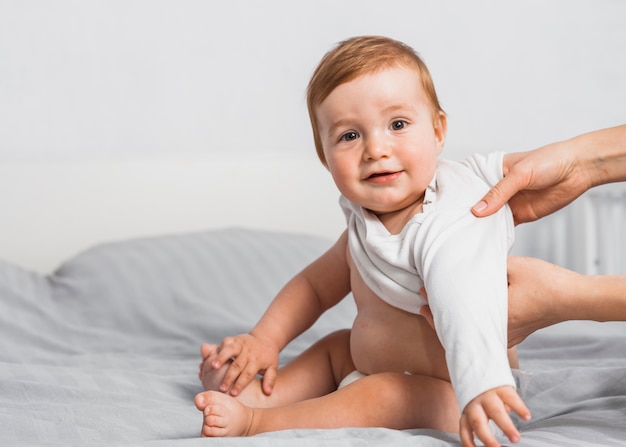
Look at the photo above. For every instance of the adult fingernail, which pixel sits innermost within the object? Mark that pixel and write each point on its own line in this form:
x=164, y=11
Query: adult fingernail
x=480, y=206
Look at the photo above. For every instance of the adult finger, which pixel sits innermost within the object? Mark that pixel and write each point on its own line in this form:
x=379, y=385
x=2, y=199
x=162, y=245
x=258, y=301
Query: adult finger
x=499, y=195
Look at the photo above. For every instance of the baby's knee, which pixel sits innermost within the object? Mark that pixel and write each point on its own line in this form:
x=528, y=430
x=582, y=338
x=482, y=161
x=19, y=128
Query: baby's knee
x=337, y=343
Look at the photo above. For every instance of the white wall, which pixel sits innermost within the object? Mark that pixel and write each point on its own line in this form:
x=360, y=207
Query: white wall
x=131, y=78
x=150, y=81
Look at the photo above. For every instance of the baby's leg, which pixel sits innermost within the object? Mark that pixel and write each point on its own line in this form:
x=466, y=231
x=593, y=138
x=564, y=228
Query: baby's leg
x=390, y=400
x=315, y=372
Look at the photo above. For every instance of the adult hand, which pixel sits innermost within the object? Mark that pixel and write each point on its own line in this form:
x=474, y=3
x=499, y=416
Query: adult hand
x=535, y=290
x=536, y=184
x=537, y=293
x=542, y=181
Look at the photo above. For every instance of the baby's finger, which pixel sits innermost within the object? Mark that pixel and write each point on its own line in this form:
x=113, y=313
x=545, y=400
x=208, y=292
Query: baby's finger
x=235, y=369
x=245, y=377
x=498, y=411
x=477, y=424
x=466, y=433
x=504, y=422
x=226, y=353
x=269, y=380
x=516, y=404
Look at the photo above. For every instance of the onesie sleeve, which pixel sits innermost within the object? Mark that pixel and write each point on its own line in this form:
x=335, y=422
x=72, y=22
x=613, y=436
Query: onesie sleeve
x=464, y=267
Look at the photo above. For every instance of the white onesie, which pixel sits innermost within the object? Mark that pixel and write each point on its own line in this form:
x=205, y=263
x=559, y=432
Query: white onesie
x=460, y=259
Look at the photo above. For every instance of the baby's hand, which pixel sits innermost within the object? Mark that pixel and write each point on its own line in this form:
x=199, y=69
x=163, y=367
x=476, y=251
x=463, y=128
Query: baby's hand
x=249, y=356
x=493, y=404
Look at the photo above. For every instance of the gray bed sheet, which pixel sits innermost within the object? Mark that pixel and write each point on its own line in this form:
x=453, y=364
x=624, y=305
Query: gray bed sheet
x=104, y=351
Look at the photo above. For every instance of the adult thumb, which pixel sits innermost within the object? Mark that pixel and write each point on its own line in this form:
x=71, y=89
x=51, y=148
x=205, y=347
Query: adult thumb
x=496, y=198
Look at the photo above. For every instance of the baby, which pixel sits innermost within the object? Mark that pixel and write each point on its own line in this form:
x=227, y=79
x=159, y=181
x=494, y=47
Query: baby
x=379, y=129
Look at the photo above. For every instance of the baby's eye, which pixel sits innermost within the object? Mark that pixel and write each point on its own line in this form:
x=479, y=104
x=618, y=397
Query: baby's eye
x=349, y=136
x=398, y=125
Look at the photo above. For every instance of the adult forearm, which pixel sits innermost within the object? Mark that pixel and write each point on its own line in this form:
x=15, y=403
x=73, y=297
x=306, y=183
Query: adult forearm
x=599, y=298
x=609, y=145
x=542, y=294
x=600, y=154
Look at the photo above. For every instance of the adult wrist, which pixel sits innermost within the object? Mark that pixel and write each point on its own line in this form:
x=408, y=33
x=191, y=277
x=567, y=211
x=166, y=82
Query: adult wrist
x=604, y=155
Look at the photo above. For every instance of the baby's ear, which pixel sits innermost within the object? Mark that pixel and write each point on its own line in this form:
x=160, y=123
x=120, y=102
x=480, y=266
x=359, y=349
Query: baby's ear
x=440, y=124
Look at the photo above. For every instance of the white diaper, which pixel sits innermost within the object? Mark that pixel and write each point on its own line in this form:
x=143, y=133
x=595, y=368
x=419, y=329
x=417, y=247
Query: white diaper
x=352, y=377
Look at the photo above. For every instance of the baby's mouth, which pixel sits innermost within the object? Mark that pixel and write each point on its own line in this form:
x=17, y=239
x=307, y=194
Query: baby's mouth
x=383, y=177
x=379, y=174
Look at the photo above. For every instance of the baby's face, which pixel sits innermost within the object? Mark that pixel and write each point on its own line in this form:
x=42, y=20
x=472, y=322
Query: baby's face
x=379, y=139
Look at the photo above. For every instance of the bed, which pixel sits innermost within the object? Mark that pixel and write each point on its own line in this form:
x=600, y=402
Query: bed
x=158, y=185
x=103, y=350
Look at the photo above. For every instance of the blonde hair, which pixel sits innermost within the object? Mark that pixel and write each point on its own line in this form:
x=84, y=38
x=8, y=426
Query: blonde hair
x=356, y=57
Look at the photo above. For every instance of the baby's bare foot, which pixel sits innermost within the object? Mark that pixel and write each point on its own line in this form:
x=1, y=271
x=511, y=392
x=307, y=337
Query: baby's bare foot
x=210, y=377
x=223, y=415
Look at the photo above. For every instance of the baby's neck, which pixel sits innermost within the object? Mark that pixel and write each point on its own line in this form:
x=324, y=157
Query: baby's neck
x=395, y=221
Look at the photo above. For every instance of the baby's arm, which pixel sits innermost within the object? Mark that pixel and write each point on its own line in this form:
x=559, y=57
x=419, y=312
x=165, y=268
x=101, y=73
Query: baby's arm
x=297, y=306
x=493, y=404
x=464, y=268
